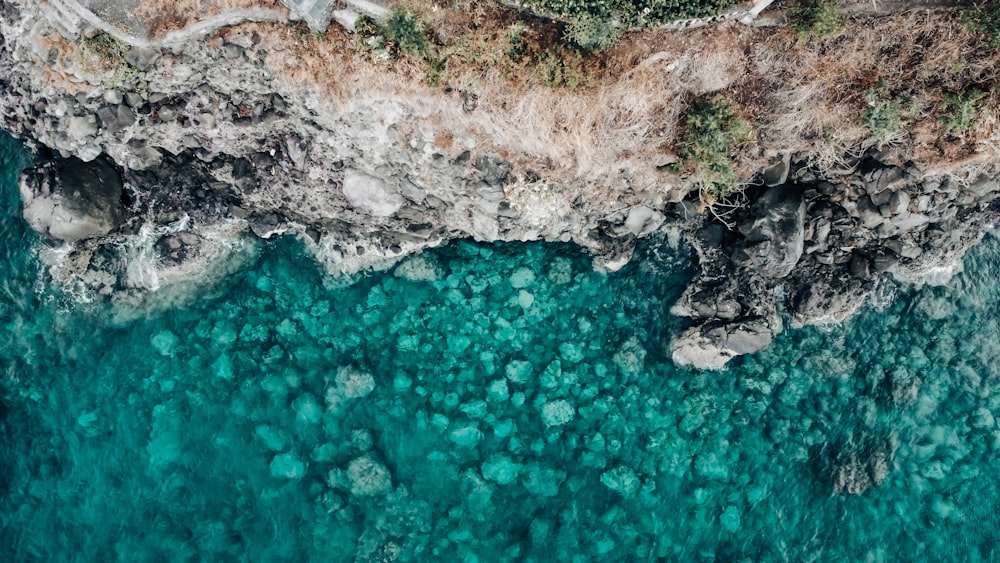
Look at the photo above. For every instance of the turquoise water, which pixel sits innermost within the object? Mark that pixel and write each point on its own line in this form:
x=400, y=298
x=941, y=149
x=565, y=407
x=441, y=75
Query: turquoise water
x=516, y=406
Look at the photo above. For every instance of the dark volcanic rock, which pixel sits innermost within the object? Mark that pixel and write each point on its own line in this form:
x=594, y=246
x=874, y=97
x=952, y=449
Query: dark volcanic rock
x=495, y=170
x=825, y=296
x=774, y=237
x=116, y=117
x=822, y=246
x=69, y=199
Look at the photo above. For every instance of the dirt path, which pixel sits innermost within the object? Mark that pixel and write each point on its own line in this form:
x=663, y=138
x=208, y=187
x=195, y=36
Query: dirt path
x=77, y=16
x=755, y=16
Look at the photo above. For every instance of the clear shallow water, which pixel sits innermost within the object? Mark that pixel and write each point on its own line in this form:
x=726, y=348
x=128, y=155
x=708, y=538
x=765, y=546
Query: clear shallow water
x=467, y=419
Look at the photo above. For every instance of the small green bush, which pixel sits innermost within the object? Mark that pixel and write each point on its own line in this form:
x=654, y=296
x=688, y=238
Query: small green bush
x=592, y=33
x=562, y=68
x=407, y=32
x=632, y=13
x=817, y=19
x=517, y=45
x=711, y=131
x=883, y=117
x=959, y=110
x=105, y=54
x=984, y=18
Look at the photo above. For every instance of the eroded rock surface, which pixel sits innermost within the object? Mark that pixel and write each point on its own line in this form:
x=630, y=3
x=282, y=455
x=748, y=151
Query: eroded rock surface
x=70, y=200
x=773, y=234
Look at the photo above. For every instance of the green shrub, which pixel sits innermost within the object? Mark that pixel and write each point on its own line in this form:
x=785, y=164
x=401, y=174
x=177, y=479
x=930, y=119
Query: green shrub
x=817, y=19
x=304, y=33
x=365, y=26
x=883, y=117
x=711, y=131
x=984, y=18
x=562, y=67
x=517, y=45
x=407, y=32
x=959, y=110
x=572, y=9
x=591, y=33
x=652, y=12
x=633, y=13
x=105, y=54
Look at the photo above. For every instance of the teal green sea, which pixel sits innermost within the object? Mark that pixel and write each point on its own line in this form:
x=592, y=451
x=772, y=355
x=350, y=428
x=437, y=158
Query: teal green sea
x=515, y=407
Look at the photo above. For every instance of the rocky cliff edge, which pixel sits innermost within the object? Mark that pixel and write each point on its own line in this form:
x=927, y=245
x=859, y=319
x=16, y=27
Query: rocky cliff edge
x=177, y=148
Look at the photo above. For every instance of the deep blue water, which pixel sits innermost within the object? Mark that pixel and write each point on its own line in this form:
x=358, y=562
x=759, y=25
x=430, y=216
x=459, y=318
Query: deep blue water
x=517, y=406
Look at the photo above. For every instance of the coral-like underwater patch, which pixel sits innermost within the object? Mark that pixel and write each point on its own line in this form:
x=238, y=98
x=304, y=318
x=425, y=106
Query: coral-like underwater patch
x=487, y=403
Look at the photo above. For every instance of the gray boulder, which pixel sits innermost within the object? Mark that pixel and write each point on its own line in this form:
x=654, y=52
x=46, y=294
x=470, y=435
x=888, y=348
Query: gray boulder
x=371, y=195
x=984, y=186
x=878, y=177
x=775, y=235
x=643, y=220
x=142, y=58
x=70, y=200
x=777, y=174
x=832, y=298
x=711, y=346
x=869, y=213
x=80, y=127
x=495, y=170
x=115, y=118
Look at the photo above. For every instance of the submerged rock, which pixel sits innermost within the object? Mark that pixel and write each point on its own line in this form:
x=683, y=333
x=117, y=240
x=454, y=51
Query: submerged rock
x=622, y=480
x=354, y=383
x=854, y=466
x=287, y=466
x=367, y=477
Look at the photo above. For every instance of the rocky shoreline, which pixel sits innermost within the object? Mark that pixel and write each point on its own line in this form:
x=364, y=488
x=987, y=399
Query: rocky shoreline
x=204, y=138
x=815, y=247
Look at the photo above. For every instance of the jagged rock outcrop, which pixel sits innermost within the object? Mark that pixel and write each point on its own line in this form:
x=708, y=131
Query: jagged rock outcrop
x=822, y=243
x=207, y=130
x=70, y=200
x=773, y=234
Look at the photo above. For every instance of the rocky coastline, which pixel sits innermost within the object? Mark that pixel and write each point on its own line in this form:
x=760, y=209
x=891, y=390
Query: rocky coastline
x=206, y=144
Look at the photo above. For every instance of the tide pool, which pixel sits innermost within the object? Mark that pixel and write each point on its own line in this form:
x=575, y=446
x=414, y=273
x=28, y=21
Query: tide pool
x=486, y=403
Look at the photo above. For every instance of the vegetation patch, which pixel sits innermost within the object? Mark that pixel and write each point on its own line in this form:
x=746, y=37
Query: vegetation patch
x=630, y=13
x=884, y=116
x=591, y=33
x=984, y=18
x=817, y=19
x=104, y=54
x=407, y=32
x=563, y=67
x=711, y=132
x=958, y=111
x=514, y=50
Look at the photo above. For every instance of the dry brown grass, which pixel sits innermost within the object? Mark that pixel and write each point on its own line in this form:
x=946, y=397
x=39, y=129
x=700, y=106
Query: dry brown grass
x=814, y=93
x=799, y=96
x=67, y=59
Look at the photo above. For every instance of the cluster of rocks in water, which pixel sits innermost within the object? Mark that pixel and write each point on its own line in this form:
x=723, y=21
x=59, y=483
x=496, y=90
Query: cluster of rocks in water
x=813, y=246
x=212, y=137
